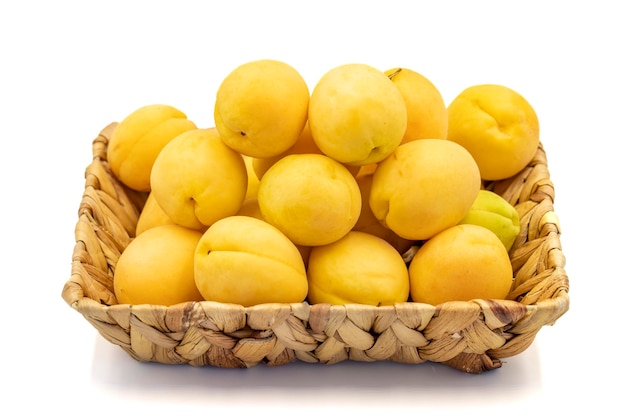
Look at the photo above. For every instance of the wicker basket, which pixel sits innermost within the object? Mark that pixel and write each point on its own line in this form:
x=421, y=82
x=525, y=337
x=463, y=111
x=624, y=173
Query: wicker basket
x=470, y=336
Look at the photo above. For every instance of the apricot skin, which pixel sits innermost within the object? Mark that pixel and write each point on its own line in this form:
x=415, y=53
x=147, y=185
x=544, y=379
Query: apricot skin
x=461, y=263
x=359, y=268
x=424, y=187
x=311, y=198
x=357, y=116
x=498, y=126
x=157, y=267
x=261, y=108
x=427, y=115
x=244, y=260
x=138, y=139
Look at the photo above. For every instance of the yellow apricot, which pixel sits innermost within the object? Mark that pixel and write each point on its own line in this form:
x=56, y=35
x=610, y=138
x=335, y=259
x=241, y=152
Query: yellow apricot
x=138, y=139
x=498, y=126
x=311, y=198
x=151, y=215
x=197, y=179
x=461, y=263
x=253, y=178
x=424, y=187
x=358, y=268
x=261, y=108
x=157, y=267
x=368, y=223
x=427, y=115
x=357, y=115
x=246, y=261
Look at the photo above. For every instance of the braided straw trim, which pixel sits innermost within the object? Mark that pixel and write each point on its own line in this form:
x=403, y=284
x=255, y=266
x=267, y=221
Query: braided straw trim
x=470, y=336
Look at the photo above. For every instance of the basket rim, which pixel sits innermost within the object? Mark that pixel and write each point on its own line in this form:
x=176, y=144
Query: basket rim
x=562, y=299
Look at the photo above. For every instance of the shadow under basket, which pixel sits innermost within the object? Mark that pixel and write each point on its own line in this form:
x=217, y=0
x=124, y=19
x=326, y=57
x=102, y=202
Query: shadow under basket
x=472, y=336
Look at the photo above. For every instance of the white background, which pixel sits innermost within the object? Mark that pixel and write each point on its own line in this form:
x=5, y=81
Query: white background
x=68, y=69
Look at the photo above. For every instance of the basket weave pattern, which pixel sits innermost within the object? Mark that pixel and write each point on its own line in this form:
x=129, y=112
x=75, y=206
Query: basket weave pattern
x=471, y=336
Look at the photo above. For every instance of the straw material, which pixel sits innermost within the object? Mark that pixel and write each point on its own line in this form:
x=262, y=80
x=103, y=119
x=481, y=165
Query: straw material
x=471, y=336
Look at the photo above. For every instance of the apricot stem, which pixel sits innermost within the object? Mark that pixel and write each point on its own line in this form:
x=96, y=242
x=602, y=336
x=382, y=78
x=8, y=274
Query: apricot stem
x=393, y=74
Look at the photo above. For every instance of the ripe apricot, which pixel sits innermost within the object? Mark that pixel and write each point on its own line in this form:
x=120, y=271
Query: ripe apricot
x=427, y=115
x=151, y=215
x=498, y=126
x=424, y=187
x=368, y=223
x=461, y=263
x=261, y=108
x=157, y=267
x=197, y=179
x=358, y=268
x=253, y=179
x=244, y=260
x=138, y=139
x=357, y=115
x=311, y=198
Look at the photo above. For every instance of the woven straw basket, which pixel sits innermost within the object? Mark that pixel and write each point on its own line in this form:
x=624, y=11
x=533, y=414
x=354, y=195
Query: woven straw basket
x=471, y=336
